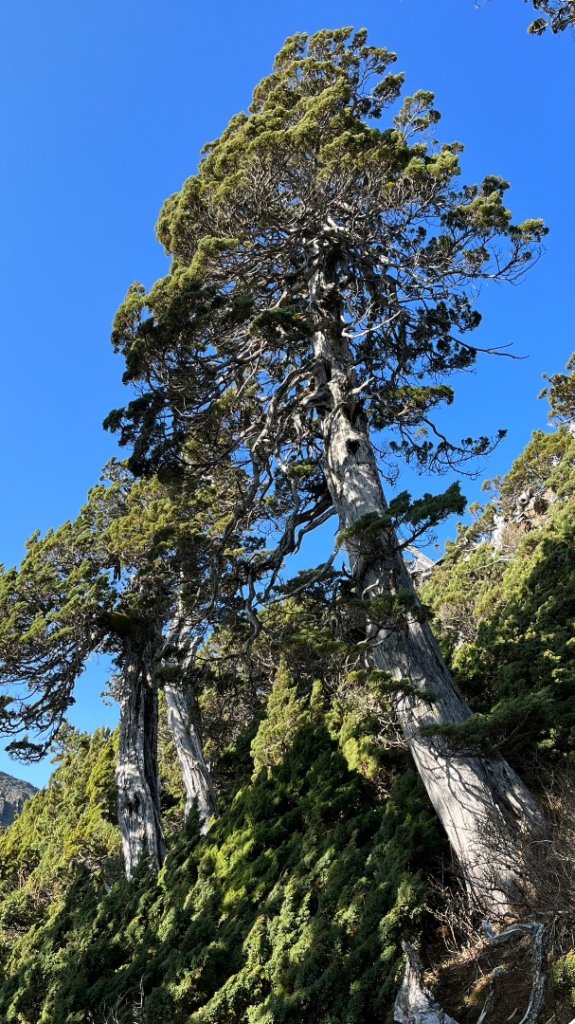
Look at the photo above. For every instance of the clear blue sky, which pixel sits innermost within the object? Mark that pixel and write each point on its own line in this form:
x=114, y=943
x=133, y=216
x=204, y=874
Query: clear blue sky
x=104, y=109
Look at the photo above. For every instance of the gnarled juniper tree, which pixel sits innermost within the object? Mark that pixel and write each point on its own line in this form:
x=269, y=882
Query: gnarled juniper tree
x=76, y=593
x=111, y=581
x=319, y=297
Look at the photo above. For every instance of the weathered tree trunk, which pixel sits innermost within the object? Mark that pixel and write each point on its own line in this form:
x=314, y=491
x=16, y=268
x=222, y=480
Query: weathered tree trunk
x=415, y=1004
x=185, y=732
x=485, y=809
x=137, y=770
x=184, y=723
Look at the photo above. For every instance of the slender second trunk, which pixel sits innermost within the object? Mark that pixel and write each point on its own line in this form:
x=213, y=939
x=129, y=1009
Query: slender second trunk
x=484, y=807
x=137, y=772
x=185, y=732
x=184, y=724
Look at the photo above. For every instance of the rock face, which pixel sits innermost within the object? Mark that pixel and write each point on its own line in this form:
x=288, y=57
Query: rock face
x=529, y=513
x=13, y=795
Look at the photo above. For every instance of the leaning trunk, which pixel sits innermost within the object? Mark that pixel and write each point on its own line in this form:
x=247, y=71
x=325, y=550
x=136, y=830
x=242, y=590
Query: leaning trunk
x=183, y=722
x=137, y=771
x=485, y=809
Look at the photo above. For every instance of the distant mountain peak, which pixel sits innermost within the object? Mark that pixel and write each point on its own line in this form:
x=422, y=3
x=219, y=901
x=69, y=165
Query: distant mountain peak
x=13, y=795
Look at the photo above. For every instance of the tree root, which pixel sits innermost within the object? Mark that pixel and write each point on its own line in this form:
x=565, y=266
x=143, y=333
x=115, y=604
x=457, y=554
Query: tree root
x=415, y=1004
x=540, y=934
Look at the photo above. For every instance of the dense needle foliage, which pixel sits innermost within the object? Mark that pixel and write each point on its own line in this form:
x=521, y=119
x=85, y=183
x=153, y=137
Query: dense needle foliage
x=320, y=297
x=291, y=909
x=506, y=612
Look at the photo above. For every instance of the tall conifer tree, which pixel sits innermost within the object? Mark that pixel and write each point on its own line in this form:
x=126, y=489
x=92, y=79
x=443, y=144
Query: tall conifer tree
x=320, y=294
x=111, y=581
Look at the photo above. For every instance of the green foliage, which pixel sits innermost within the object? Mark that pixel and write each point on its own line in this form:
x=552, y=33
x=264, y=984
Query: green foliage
x=547, y=463
x=133, y=556
x=561, y=392
x=291, y=909
x=411, y=518
x=506, y=615
x=308, y=170
x=286, y=715
x=70, y=826
x=563, y=976
x=172, y=794
x=357, y=721
x=46, y=626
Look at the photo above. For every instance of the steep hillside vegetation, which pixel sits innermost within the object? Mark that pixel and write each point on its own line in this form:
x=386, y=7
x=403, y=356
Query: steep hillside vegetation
x=292, y=908
x=504, y=602
x=327, y=819
x=327, y=854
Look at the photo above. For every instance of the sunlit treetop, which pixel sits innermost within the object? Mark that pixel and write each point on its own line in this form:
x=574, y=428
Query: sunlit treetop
x=312, y=172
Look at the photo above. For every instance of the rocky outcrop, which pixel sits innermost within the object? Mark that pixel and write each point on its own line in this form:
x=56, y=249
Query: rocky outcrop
x=13, y=795
x=528, y=513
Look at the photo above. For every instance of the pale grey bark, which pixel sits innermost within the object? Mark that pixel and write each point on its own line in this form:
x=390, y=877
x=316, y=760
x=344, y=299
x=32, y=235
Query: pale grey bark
x=137, y=770
x=415, y=1004
x=484, y=807
x=184, y=723
x=185, y=732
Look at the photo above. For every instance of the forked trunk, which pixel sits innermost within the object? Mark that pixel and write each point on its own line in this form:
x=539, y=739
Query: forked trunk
x=184, y=729
x=137, y=771
x=484, y=807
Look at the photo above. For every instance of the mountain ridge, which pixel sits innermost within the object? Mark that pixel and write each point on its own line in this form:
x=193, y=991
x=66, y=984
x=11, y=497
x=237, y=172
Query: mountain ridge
x=13, y=795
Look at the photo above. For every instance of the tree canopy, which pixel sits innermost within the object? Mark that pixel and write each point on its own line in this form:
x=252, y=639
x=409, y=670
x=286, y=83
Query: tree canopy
x=326, y=260
x=556, y=15
x=309, y=169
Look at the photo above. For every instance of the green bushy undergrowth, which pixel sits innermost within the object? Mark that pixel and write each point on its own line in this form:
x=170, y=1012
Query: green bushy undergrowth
x=290, y=910
x=70, y=826
x=507, y=616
